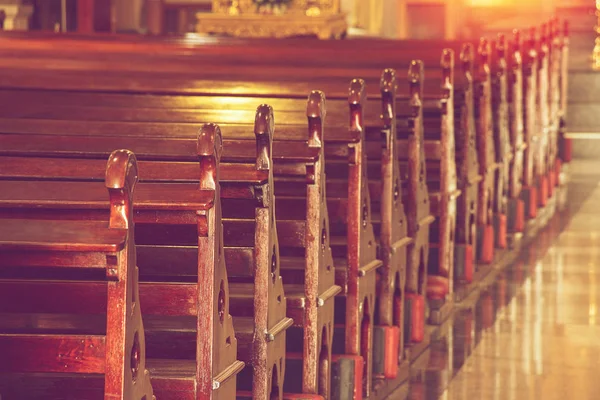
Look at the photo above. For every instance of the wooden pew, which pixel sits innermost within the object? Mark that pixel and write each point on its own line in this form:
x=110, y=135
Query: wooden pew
x=387, y=201
x=547, y=115
x=425, y=239
x=434, y=119
x=541, y=146
x=515, y=99
x=501, y=214
x=468, y=174
x=253, y=229
x=531, y=125
x=446, y=238
x=503, y=151
x=565, y=146
x=117, y=350
x=154, y=213
x=358, y=205
x=288, y=163
x=376, y=187
x=296, y=71
x=443, y=246
x=233, y=41
x=486, y=157
x=555, y=50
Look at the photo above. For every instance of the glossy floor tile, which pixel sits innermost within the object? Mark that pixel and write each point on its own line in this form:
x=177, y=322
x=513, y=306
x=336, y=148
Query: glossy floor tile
x=534, y=333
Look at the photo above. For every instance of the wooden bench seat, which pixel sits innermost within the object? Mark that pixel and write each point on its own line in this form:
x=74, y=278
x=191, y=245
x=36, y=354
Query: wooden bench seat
x=446, y=246
x=106, y=245
x=166, y=217
x=350, y=138
x=337, y=184
x=425, y=236
x=336, y=72
x=295, y=162
x=73, y=151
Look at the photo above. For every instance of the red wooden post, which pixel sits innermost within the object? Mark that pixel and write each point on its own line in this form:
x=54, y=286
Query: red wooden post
x=85, y=16
x=154, y=17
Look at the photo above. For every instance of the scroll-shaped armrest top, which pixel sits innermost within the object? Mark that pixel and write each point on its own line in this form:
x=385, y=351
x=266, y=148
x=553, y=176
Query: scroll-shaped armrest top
x=415, y=81
x=483, y=52
x=210, y=147
x=447, y=64
x=388, y=86
x=466, y=58
x=121, y=177
x=356, y=99
x=315, y=112
x=263, y=130
x=516, y=58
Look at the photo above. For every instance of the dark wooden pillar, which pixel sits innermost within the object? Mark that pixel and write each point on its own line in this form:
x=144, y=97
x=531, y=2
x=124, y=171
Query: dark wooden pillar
x=85, y=16
x=155, y=17
x=95, y=16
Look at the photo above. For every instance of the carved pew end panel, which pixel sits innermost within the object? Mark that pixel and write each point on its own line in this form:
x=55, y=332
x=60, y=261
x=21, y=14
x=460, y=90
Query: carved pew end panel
x=386, y=201
x=101, y=337
x=259, y=302
x=308, y=264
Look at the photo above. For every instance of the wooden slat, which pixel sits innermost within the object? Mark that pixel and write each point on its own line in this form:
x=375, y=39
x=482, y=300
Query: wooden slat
x=52, y=353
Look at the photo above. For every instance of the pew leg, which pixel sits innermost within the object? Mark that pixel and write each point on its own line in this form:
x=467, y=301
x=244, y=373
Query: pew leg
x=415, y=316
x=500, y=230
x=515, y=219
x=542, y=190
x=125, y=337
x=346, y=373
x=348, y=378
x=464, y=269
x=309, y=372
x=388, y=342
x=485, y=244
x=529, y=196
x=441, y=264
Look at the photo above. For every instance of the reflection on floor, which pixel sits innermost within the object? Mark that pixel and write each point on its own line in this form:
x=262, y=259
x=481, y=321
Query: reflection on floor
x=534, y=333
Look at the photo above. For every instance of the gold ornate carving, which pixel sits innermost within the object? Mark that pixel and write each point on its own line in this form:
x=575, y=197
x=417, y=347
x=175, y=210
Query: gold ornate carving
x=294, y=23
x=596, y=52
x=246, y=18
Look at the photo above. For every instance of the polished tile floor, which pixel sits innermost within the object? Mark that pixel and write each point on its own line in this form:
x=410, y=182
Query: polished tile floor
x=535, y=333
